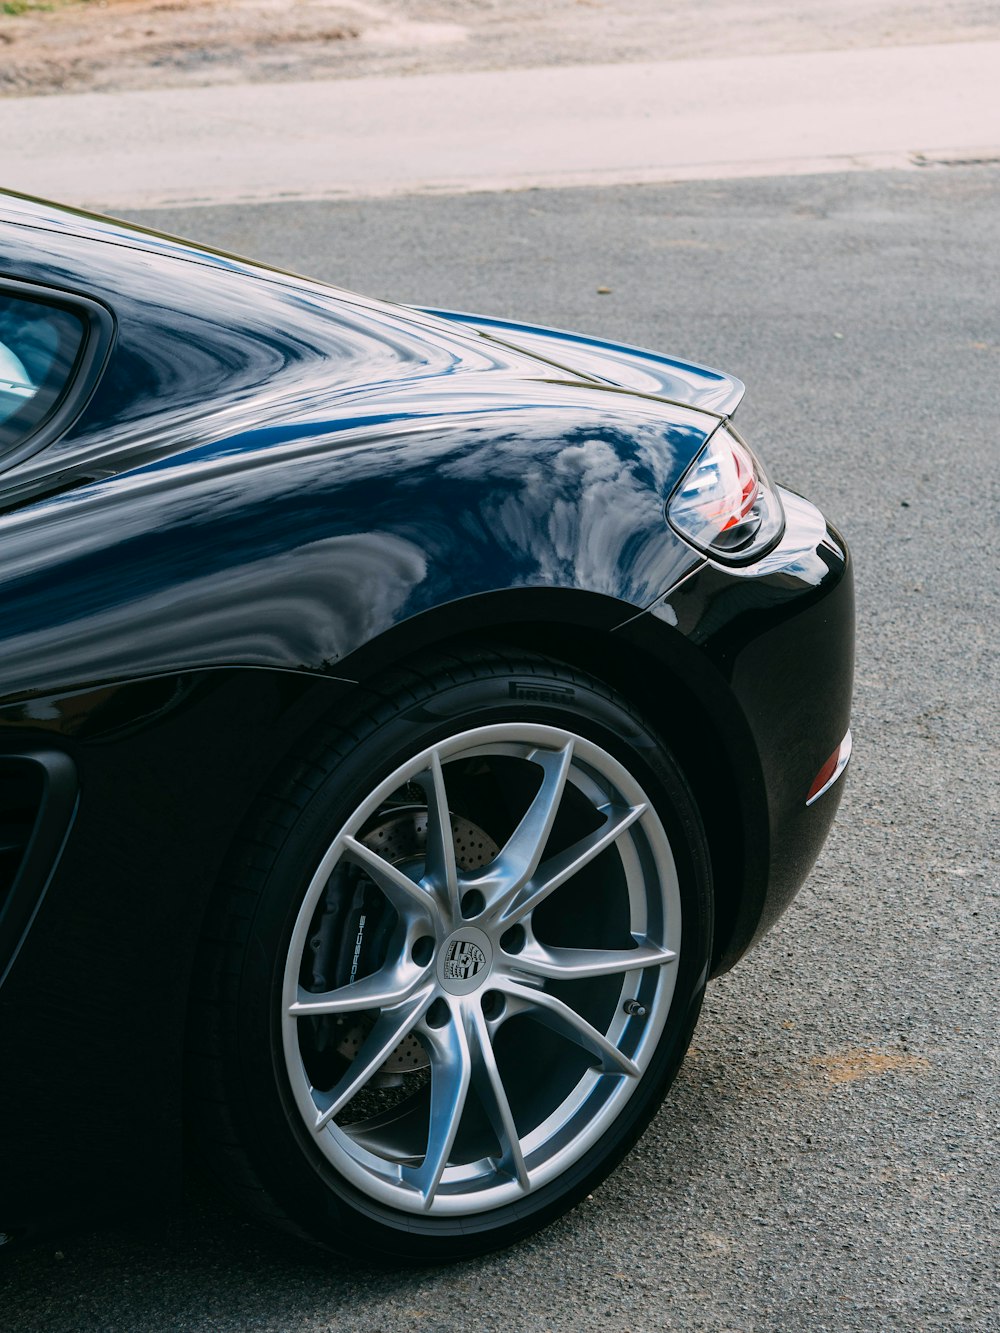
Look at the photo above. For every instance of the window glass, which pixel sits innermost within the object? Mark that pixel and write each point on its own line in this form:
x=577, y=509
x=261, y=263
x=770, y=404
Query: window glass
x=39, y=344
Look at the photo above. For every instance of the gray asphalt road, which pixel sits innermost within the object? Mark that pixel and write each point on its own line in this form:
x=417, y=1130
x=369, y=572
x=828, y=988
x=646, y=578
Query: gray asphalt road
x=827, y=1159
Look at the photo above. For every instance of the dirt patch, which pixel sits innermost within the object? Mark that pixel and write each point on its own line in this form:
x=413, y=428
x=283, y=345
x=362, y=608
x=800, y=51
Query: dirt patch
x=852, y=1065
x=50, y=46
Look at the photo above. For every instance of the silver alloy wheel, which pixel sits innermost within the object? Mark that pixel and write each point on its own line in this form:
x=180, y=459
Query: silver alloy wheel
x=464, y=958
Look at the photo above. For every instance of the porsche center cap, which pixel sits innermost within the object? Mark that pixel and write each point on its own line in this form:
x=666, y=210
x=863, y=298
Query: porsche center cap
x=465, y=961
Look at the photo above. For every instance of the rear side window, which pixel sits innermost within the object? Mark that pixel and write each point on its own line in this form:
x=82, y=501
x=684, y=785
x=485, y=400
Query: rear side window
x=40, y=345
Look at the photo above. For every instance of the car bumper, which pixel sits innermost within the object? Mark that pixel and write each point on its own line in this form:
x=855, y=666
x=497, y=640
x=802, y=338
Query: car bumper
x=767, y=652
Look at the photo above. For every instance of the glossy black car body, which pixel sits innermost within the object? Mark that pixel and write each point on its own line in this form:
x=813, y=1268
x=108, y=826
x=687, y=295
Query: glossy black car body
x=258, y=495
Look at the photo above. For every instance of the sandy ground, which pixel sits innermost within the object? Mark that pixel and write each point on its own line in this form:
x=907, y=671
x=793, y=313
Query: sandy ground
x=49, y=46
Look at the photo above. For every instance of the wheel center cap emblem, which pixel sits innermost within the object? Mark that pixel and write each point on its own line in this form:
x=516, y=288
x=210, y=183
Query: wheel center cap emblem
x=465, y=961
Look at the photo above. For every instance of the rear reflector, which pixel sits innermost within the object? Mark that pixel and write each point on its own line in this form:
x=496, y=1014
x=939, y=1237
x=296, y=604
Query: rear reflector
x=831, y=770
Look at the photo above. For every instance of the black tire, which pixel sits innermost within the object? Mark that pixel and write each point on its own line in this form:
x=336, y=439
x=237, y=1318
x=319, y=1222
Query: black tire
x=254, y=1066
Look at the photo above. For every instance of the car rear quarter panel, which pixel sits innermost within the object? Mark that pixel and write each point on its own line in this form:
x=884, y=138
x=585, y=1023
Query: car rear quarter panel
x=294, y=553
x=267, y=475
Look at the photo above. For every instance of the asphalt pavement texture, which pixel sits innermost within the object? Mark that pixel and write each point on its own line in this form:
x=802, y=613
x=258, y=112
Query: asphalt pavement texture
x=827, y=1159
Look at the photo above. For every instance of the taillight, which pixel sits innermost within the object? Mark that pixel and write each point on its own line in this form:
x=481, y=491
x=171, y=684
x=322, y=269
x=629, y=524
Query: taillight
x=725, y=504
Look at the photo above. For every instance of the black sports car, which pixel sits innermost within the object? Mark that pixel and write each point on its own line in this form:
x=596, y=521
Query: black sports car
x=402, y=715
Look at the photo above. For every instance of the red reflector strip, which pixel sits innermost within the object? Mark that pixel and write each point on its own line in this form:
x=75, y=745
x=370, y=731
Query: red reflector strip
x=831, y=770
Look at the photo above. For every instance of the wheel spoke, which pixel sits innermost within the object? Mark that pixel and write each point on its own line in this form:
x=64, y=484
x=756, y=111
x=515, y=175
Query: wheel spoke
x=558, y=1016
x=525, y=847
x=451, y=1071
x=387, y=986
x=554, y=872
x=405, y=894
x=391, y=1026
x=493, y=1095
x=580, y=964
x=441, y=867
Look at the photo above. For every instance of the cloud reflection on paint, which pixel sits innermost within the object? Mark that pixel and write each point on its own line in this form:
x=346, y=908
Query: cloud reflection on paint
x=294, y=553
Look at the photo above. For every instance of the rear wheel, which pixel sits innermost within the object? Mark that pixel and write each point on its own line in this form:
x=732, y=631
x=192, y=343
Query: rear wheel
x=457, y=963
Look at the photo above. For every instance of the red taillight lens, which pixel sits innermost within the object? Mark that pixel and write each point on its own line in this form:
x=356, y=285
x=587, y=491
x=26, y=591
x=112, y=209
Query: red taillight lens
x=746, y=475
x=725, y=504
